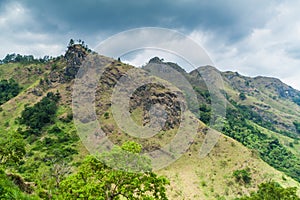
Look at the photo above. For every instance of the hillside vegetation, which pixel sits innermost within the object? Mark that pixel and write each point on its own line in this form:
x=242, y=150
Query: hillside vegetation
x=42, y=156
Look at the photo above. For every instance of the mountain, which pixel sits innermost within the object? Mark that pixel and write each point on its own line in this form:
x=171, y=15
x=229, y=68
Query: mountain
x=258, y=142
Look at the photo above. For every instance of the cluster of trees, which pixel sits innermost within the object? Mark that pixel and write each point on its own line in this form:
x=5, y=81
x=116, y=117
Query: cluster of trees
x=270, y=149
x=238, y=126
x=242, y=96
x=96, y=180
x=37, y=116
x=8, y=89
x=24, y=59
x=272, y=191
x=79, y=42
x=205, y=113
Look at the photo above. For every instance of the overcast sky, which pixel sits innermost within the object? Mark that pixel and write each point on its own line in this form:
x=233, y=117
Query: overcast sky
x=252, y=37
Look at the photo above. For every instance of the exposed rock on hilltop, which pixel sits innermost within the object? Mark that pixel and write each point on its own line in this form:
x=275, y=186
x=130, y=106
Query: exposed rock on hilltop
x=74, y=56
x=175, y=66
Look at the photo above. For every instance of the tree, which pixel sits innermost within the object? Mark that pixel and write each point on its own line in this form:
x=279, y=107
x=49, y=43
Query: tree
x=41, y=113
x=8, y=89
x=12, y=148
x=242, y=96
x=71, y=43
x=96, y=180
x=273, y=191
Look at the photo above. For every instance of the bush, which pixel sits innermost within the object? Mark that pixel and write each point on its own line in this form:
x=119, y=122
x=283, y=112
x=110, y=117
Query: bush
x=242, y=176
x=242, y=96
x=8, y=89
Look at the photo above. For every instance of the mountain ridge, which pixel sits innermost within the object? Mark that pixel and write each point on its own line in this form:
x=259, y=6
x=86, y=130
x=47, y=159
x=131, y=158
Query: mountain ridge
x=209, y=178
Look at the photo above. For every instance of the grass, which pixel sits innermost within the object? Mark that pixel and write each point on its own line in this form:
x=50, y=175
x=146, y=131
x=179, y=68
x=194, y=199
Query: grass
x=194, y=176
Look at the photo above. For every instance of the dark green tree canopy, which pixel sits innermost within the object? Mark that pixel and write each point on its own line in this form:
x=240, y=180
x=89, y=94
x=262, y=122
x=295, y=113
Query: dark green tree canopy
x=8, y=89
x=273, y=191
x=41, y=113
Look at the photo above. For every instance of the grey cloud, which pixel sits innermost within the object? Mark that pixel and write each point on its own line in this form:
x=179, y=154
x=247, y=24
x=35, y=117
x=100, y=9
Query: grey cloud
x=234, y=19
x=251, y=36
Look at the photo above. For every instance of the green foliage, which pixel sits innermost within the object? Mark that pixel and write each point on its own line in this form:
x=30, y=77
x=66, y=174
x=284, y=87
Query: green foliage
x=205, y=113
x=95, y=180
x=203, y=94
x=80, y=42
x=24, y=59
x=272, y=191
x=106, y=115
x=270, y=149
x=8, y=89
x=297, y=100
x=8, y=190
x=40, y=114
x=242, y=176
x=242, y=96
x=12, y=148
x=297, y=126
x=57, y=145
x=50, y=158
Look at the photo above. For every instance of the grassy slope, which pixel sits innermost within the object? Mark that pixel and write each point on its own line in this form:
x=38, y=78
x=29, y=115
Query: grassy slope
x=211, y=177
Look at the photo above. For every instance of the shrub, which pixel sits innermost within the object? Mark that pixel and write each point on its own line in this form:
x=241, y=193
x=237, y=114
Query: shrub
x=242, y=176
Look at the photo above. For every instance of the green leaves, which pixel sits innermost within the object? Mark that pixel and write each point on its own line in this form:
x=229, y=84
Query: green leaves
x=242, y=176
x=269, y=148
x=40, y=114
x=8, y=190
x=126, y=158
x=8, y=89
x=12, y=148
x=273, y=191
x=95, y=180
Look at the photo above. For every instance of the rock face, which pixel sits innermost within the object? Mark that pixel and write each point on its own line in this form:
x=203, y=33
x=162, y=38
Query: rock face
x=157, y=60
x=153, y=98
x=168, y=104
x=74, y=56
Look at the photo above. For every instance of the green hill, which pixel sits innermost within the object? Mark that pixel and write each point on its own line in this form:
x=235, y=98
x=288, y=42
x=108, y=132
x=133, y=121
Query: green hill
x=260, y=137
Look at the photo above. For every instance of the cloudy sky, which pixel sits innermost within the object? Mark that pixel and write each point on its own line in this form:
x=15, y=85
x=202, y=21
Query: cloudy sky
x=251, y=37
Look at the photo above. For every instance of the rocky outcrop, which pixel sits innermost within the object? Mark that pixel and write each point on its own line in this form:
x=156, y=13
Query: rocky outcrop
x=170, y=104
x=74, y=56
x=153, y=98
